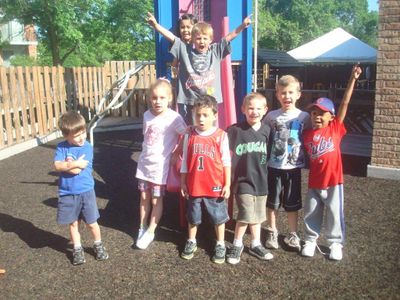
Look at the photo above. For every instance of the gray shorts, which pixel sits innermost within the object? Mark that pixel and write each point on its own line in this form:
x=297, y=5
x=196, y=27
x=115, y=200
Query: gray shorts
x=217, y=209
x=251, y=209
x=75, y=207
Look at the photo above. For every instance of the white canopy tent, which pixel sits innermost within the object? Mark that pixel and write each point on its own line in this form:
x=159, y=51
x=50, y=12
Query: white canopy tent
x=336, y=46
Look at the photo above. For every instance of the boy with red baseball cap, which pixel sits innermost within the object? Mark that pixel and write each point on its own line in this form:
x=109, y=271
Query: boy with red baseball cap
x=322, y=144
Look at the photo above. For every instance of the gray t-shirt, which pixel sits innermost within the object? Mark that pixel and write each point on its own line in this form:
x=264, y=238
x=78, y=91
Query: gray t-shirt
x=287, y=127
x=199, y=74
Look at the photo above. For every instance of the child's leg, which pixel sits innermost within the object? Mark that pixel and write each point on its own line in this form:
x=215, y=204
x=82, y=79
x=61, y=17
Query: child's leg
x=240, y=230
x=192, y=232
x=145, y=207
x=271, y=218
x=156, y=213
x=255, y=232
x=94, y=229
x=335, y=227
x=313, y=214
x=220, y=232
x=292, y=220
x=74, y=233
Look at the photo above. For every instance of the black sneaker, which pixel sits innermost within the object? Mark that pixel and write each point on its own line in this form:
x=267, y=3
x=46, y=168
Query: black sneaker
x=190, y=248
x=100, y=251
x=233, y=254
x=261, y=253
x=78, y=257
x=219, y=254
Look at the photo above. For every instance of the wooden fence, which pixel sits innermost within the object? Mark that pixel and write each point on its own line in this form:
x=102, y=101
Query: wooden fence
x=33, y=98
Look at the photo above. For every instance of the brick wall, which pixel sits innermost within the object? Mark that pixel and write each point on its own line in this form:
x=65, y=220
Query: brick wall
x=386, y=134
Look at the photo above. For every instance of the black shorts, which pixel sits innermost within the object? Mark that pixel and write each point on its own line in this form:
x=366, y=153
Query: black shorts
x=284, y=189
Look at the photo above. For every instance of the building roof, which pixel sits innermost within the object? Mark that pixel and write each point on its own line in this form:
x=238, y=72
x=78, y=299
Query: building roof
x=276, y=58
x=336, y=46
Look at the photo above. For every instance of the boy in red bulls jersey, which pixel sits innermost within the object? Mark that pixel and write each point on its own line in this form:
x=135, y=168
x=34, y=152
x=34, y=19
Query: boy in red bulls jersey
x=322, y=143
x=206, y=176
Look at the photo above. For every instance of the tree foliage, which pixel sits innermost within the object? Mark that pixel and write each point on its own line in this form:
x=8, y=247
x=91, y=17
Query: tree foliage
x=287, y=24
x=86, y=32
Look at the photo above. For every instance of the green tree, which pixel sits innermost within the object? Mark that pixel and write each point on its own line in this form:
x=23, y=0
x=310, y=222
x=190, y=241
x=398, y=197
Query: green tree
x=85, y=32
x=287, y=24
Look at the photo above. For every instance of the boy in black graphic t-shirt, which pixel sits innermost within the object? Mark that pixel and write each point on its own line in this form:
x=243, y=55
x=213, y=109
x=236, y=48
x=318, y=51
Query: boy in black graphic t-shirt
x=248, y=143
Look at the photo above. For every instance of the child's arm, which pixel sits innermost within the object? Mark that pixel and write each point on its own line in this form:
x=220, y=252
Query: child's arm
x=233, y=34
x=72, y=167
x=184, y=189
x=151, y=20
x=226, y=190
x=226, y=161
x=355, y=74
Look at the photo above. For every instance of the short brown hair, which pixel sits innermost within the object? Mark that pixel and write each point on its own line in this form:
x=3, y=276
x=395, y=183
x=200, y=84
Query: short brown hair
x=252, y=96
x=286, y=80
x=203, y=28
x=206, y=101
x=71, y=122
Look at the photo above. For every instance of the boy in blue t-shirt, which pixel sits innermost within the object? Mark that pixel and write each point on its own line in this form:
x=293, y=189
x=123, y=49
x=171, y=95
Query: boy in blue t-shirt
x=77, y=199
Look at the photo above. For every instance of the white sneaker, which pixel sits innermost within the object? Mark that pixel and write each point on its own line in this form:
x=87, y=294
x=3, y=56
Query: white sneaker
x=309, y=249
x=293, y=241
x=143, y=242
x=336, y=251
x=272, y=239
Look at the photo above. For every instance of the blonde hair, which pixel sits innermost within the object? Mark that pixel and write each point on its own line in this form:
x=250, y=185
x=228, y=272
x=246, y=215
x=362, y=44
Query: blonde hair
x=254, y=95
x=286, y=80
x=71, y=122
x=203, y=28
x=161, y=82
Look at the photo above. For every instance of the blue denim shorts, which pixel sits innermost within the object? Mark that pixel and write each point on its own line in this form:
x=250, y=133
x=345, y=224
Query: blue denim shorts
x=75, y=207
x=216, y=208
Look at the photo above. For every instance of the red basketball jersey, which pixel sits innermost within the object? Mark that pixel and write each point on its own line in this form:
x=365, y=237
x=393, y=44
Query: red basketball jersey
x=205, y=175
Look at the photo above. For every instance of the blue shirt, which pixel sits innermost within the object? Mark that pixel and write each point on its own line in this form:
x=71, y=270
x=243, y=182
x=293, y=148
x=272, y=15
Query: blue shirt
x=70, y=184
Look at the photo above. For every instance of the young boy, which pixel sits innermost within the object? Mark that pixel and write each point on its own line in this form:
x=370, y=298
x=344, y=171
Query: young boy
x=286, y=161
x=248, y=144
x=77, y=200
x=322, y=143
x=199, y=63
x=206, y=175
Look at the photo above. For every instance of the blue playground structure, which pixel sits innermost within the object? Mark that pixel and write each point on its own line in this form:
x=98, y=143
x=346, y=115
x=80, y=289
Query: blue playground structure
x=167, y=12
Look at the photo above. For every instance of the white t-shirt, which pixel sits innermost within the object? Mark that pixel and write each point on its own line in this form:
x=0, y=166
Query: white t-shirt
x=286, y=127
x=161, y=134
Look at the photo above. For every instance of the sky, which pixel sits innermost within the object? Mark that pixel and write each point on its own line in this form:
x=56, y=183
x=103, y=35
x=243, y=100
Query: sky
x=373, y=5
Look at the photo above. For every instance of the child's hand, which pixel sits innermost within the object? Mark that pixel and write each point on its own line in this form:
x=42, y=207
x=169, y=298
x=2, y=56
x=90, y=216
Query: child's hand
x=151, y=20
x=81, y=163
x=356, y=72
x=184, y=191
x=247, y=21
x=226, y=192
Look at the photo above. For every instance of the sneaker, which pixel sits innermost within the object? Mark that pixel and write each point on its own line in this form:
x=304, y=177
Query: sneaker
x=293, y=241
x=100, y=251
x=336, y=251
x=142, y=230
x=233, y=254
x=219, y=254
x=261, y=253
x=309, y=249
x=145, y=240
x=272, y=239
x=78, y=256
x=190, y=249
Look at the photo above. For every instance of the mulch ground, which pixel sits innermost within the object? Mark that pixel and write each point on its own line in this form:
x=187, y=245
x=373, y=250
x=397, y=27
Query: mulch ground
x=36, y=254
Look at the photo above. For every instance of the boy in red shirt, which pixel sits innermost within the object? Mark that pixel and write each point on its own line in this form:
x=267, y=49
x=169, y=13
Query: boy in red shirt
x=322, y=143
x=206, y=175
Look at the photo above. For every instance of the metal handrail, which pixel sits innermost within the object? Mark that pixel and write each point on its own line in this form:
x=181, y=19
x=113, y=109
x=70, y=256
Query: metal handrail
x=116, y=102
